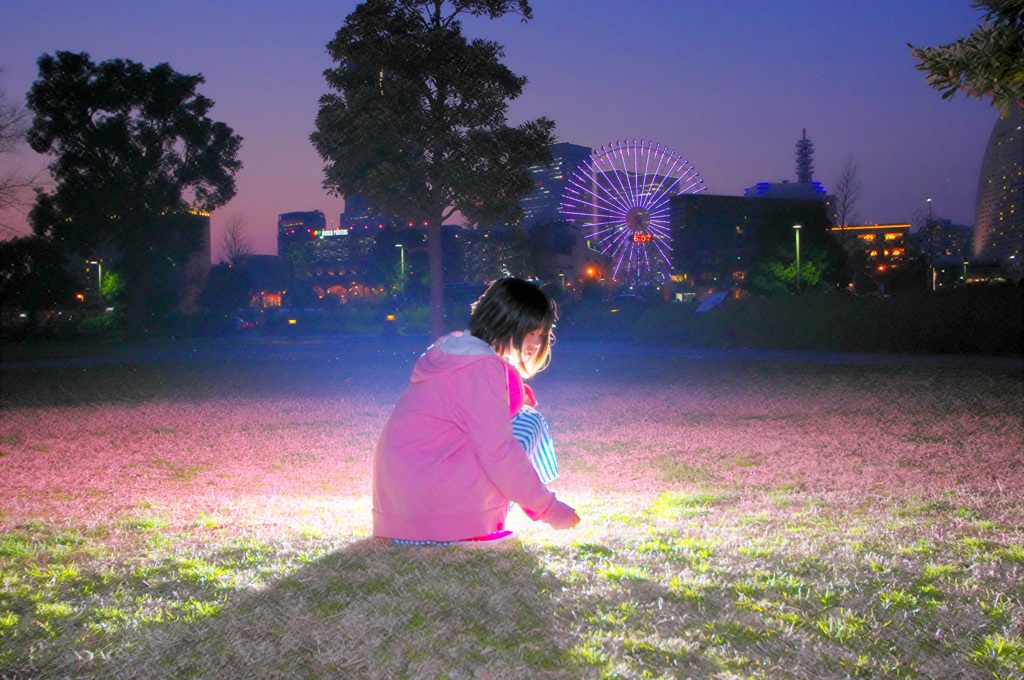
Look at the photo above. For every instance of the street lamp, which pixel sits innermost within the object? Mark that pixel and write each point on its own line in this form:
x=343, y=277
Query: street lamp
x=930, y=227
x=796, y=230
x=99, y=278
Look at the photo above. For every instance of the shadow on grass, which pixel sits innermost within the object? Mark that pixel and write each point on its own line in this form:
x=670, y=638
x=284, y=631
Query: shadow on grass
x=789, y=596
x=369, y=610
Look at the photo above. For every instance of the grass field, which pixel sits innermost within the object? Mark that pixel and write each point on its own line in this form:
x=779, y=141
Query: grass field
x=204, y=512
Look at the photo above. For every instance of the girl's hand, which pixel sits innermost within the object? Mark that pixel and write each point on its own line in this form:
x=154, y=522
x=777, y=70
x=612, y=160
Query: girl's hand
x=561, y=516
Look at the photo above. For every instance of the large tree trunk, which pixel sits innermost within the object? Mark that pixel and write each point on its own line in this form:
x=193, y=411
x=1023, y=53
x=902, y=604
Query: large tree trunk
x=436, y=265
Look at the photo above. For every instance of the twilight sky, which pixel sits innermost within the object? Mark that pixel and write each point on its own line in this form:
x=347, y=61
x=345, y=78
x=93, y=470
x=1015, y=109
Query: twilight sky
x=727, y=84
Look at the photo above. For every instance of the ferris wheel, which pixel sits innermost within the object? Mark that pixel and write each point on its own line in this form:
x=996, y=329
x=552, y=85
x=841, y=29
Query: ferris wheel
x=620, y=195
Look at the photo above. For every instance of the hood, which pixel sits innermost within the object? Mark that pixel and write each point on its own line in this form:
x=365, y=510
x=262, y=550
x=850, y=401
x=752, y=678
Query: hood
x=451, y=353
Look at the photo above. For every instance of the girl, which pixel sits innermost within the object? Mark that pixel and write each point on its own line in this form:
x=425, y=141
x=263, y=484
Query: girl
x=447, y=463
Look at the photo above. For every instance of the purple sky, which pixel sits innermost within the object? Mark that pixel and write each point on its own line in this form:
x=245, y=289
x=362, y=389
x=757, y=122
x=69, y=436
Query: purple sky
x=727, y=84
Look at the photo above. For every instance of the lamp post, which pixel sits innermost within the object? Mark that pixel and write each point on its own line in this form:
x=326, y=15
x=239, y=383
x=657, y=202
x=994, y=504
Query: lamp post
x=796, y=230
x=930, y=225
x=99, y=278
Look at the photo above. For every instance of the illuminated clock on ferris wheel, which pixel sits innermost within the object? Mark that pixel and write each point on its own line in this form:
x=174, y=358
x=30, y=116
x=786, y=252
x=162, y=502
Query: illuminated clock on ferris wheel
x=620, y=196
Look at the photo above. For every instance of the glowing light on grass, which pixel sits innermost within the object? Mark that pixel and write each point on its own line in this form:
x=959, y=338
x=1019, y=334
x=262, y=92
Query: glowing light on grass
x=737, y=517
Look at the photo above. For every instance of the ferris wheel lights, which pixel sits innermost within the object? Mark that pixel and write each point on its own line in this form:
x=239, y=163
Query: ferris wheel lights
x=620, y=196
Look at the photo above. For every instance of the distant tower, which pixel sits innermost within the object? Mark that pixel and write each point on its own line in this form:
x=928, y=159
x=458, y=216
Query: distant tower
x=804, y=160
x=805, y=187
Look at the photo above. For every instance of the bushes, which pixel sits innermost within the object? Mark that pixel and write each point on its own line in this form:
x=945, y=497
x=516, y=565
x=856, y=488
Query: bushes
x=974, y=320
x=101, y=326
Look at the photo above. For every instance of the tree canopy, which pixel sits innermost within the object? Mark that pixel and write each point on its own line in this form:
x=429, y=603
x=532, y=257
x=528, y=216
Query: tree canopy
x=987, y=63
x=135, y=157
x=417, y=121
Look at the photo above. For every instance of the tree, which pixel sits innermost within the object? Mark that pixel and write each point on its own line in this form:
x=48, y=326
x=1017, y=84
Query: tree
x=235, y=244
x=822, y=260
x=14, y=184
x=135, y=155
x=417, y=123
x=113, y=291
x=34, y=274
x=845, y=197
x=987, y=63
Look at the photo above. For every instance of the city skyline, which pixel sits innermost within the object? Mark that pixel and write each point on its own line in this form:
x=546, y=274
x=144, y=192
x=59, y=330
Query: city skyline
x=729, y=86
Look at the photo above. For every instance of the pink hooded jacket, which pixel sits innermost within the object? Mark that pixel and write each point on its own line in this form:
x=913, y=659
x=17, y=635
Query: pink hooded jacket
x=446, y=464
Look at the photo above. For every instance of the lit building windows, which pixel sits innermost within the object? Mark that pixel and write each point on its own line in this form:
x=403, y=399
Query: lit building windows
x=999, y=227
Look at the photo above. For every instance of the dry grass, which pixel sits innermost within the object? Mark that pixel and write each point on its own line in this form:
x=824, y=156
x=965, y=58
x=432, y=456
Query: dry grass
x=207, y=516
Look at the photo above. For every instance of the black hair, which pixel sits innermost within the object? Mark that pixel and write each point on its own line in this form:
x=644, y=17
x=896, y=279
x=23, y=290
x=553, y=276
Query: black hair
x=510, y=310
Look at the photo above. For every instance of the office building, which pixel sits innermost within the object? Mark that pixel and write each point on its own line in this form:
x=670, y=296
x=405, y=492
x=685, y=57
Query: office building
x=296, y=227
x=541, y=206
x=999, y=210
x=318, y=259
x=197, y=269
x=942, y=242
x=874, y=250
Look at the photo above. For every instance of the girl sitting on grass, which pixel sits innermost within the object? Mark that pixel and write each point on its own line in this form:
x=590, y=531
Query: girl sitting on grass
x=464, y=441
